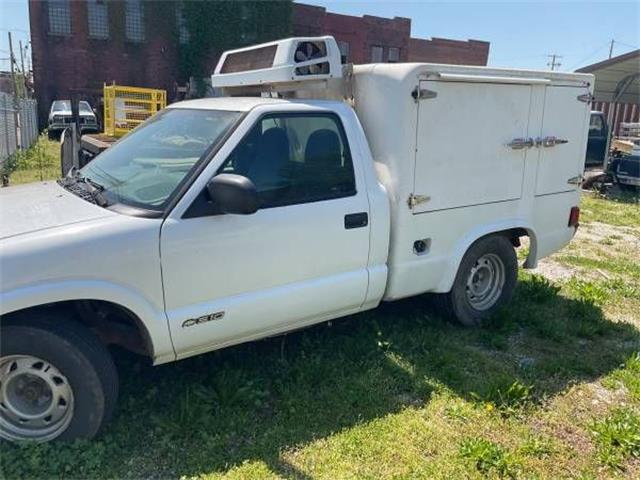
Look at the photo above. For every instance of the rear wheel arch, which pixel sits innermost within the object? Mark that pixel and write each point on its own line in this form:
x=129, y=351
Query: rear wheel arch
x=485, y=278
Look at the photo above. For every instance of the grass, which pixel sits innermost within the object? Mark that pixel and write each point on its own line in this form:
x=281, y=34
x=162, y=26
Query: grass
x=38, y=163
x=618, y=437
x=549, y=389
x=620, y=210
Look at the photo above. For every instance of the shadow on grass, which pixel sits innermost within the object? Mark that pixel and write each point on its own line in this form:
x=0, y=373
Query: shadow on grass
x=618, y=194
x=251, y=402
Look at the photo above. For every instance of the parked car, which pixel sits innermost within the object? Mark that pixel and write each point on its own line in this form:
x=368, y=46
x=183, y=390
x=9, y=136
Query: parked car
x=60, y=117
x=625, y=169
x=224, y=220
x=598, y=141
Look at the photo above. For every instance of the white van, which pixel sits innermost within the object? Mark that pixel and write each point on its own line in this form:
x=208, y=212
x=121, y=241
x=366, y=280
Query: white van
x=320, y=192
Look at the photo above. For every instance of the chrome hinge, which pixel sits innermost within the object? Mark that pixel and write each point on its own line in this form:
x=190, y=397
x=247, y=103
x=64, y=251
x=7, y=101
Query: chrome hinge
x=550, y=141
x=575, y=180
x=415, y=200
x=585, y=97
x=520, y=143
x=422, y=93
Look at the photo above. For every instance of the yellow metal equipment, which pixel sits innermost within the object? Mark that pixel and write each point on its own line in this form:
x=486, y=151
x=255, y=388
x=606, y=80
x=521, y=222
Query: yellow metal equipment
x=127, y=107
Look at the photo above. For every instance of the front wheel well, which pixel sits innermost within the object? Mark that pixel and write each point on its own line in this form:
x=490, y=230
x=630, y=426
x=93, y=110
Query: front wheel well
x=113, y=324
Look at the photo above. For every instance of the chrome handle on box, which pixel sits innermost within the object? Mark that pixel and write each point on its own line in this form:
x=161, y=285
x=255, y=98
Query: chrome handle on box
x=550, y=141
x=520, y=143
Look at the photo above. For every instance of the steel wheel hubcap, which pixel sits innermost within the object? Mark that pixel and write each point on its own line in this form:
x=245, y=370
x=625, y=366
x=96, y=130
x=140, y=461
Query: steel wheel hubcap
x=485, y=282
x=36, y=400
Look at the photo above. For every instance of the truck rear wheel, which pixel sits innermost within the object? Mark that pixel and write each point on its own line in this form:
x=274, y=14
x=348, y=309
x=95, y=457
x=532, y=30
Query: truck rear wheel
x=57, y=381
x=485, y=281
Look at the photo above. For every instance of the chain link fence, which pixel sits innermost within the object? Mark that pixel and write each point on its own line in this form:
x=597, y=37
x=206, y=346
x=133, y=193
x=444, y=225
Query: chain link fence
x=18, y=125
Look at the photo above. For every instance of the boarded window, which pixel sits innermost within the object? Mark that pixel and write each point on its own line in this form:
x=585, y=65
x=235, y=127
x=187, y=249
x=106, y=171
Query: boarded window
x=376, y=54
x=181, y=22
x=134, y=20
x=394, y=54
x=98, y=19
x=59, y=17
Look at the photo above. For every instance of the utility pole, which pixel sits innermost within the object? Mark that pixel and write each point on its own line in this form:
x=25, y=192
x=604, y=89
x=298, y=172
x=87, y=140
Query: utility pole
x=611, y=48
x=553, y=63
x=12, y=60
x=24, y=73
x=16, y=104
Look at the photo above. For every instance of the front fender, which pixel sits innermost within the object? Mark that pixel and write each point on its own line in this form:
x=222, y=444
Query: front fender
x=475, y=234
x=152, y=319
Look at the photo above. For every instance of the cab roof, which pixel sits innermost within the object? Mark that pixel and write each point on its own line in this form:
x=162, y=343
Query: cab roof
x=231, y=104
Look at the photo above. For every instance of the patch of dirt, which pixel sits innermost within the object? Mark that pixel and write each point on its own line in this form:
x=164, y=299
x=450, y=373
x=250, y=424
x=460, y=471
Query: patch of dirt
x=553, y=270
x=599, y=232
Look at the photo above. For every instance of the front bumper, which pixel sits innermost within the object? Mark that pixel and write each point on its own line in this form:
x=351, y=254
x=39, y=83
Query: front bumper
x=58, y=127
x=628, y=180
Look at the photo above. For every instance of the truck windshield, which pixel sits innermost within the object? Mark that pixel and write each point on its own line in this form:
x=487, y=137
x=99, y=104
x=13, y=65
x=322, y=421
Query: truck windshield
x=145, y=168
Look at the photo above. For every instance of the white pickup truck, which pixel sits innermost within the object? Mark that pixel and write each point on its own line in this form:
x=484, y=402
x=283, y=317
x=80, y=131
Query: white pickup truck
x=320, y=192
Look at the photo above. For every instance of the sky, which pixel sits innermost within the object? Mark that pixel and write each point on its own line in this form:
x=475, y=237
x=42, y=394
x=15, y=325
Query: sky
x=521, y=33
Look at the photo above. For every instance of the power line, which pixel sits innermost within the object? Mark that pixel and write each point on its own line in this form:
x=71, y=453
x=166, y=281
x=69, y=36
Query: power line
x=553, y=63
x=577, y=64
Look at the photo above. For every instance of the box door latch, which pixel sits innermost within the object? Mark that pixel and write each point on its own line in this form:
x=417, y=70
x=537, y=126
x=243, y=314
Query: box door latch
x=415, y=200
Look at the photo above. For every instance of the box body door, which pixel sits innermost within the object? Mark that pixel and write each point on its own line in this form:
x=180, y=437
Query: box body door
x=463, y=155
x=565, y=118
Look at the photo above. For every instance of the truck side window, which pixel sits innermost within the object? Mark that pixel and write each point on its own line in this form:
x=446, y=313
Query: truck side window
x=295, y=158
x=596, y=126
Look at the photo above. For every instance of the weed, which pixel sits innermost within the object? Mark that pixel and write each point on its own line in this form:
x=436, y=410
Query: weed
x=457, y=411
x=590, y=292
x=539, y=289
x=617, y=437
x=489, y=458
x=537, y=447
x=507, y=398
x=619, y=287
x=628, y=374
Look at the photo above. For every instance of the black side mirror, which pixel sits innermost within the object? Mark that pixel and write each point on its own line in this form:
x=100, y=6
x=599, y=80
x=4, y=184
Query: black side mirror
x=233, y=194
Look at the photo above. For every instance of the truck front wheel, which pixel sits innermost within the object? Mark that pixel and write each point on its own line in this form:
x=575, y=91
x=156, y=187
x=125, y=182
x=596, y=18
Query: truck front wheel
x=485, y=280
x=57, y=381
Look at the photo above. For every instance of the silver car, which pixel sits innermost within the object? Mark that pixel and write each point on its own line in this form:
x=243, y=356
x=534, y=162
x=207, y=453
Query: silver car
x=60, y=117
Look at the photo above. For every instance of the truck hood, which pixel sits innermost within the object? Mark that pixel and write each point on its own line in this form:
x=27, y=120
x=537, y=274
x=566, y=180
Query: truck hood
x=40, y=206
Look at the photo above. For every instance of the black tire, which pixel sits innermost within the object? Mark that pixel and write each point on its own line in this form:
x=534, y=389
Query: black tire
x=79, y=356
x=457, y=303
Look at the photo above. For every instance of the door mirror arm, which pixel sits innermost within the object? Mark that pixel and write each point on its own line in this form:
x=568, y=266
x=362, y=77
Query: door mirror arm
x=233, y=194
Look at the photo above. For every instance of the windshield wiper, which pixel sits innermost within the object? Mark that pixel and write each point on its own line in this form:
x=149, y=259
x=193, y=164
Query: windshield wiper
x=90, y=187
x=95, y=189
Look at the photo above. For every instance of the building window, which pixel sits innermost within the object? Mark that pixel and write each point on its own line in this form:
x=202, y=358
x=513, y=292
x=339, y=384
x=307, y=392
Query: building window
x=376, y=54
x=59, y=17
x=344, y=51
x=394, y=55
x=134, y=20
x=98, y=19
x=183, y=31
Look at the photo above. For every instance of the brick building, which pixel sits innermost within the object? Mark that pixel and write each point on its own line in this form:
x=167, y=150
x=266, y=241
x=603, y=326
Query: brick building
x=77, y=46
x=370, y=39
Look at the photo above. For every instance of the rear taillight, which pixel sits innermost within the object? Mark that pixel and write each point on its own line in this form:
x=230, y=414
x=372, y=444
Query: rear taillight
x=574, y=217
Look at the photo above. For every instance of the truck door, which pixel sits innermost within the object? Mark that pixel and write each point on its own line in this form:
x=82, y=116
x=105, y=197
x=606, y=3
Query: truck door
x=300, y=258
x=464, y=129
x=561, y=161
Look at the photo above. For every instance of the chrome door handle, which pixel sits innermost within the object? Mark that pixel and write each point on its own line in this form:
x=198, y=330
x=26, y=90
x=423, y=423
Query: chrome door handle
x=577, y=180
x=520, y=143
x=550, y=141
